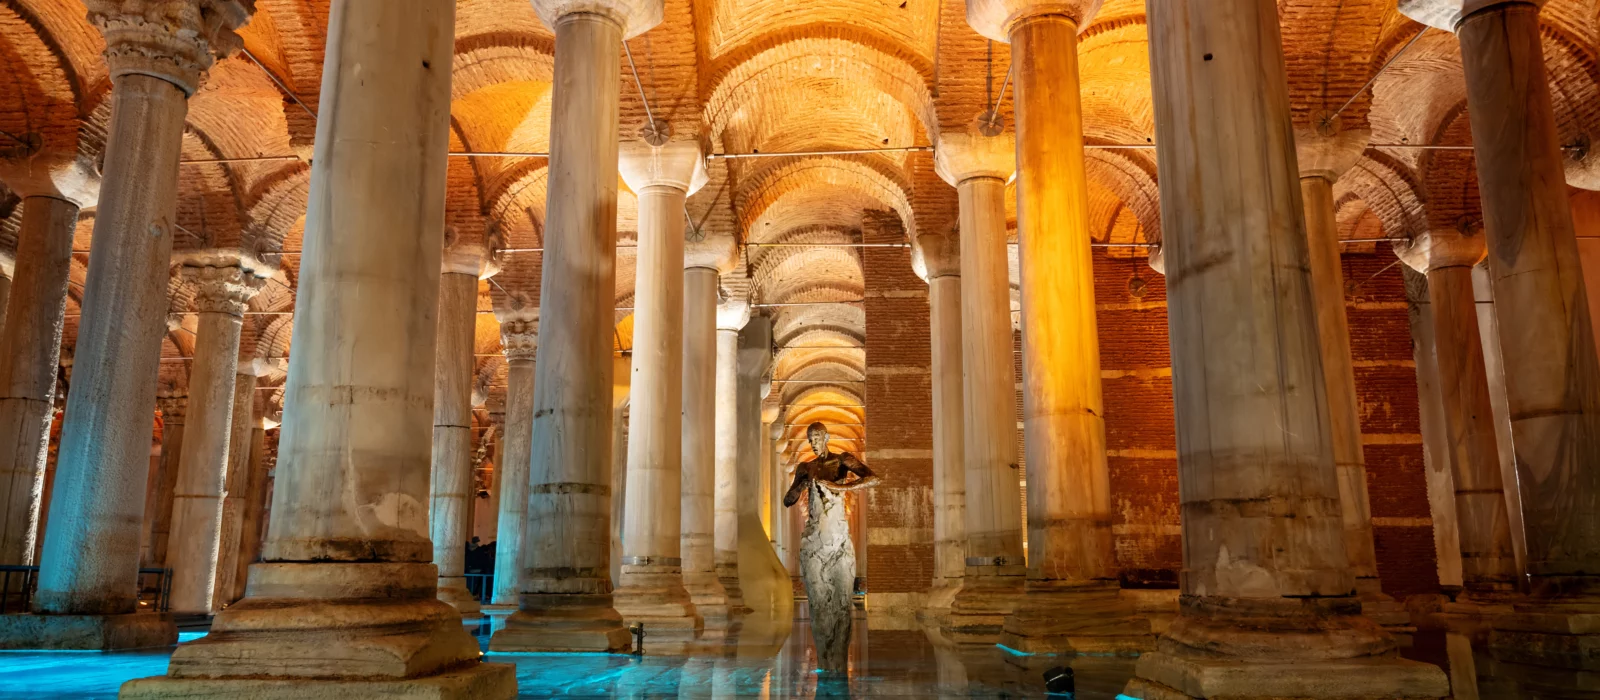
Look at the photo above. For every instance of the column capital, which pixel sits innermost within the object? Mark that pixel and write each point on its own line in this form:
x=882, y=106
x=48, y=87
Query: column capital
x=222, y=290
x=1433, y=250
x=1329, y=152
x=466, y=258
x=963, y=155
x=8, y=264
x=634, y=16
x=995, y=18
x=69, y=177
x=1158, y=260
x=519, y=332
x=1447, y=14
x=173, y=406
x=675, y=164
x=174, y=40
x=715, y=252
x=935, y=255
x=733, y=314
x=1583, y=165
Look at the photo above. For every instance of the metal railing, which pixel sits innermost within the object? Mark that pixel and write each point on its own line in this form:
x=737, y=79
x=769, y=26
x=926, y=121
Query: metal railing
x=18, y=583
x=482, y=586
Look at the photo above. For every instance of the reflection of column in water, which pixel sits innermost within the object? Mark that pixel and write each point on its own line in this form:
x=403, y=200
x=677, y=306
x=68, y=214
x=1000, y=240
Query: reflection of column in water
x=695, y=679
x=950, y=672
x=724, y=684
x=1463, y=668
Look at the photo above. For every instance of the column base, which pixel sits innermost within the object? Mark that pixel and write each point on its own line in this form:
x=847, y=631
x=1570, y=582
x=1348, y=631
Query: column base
x=978, y=613
x=1382, y=608
x=1307, y=648
x=478, y=682
x=346, y=622
x=563, y=622
x=657, y=600
x=1057, y=617
x=1165, y=676
x=1552, y=634
x=453, y=592
x=935, y=608
x=728, y=576
x=87, y=632
x=705, y=591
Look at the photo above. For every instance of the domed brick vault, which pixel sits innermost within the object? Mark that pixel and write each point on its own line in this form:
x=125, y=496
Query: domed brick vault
x=831, y=150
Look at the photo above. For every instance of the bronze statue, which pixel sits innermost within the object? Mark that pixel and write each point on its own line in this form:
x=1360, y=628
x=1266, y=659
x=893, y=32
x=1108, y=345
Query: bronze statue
x=827, y=558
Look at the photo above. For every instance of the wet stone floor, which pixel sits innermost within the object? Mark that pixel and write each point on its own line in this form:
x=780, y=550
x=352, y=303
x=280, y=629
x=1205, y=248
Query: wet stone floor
x=776, y=660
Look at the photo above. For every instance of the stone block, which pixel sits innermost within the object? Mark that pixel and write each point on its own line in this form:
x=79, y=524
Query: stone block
x=1166, y=676
x=477, y=682
x=87, y=632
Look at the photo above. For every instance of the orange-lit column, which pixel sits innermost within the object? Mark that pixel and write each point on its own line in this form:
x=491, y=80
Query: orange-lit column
x=978, y=166
x=1072, y=573
x=704, y=263
x=937, y=259
x=1268, y=609
x=453, y=491
x=1488, y=564
x=1552, y=375
x=519, y=337
x=565, y=603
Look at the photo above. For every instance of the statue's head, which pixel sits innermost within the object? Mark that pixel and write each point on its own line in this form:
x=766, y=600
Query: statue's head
x=817, y=435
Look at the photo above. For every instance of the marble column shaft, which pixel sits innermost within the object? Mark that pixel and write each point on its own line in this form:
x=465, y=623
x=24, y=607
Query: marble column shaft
x=344, y=600
x=197, y=522
x=726, y=529
x=30, y=355
x=453, y=490
x=519, y=335
x=941, y=257
x=565, y=602
x=1552, y=377
x=235, y=491
x=174, y=410
x=700, y=346
x=253, y=507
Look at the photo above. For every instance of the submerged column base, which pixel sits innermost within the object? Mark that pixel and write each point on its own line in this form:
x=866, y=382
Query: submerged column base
x=87, y=632
x=978, y=613
x=478, y=682
x=453, y=592
x=936, y=606
x=376, y=626
x=1556, y=633
x=728, y=576
x=1059, y=617
x=1382, y=608
x=1310, y=648
x=711, y=604
x=563, y=622
x=655, y=597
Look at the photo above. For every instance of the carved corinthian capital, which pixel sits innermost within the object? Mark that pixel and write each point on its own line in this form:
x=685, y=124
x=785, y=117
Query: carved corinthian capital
x=935, y=255
x=519, y=333
x=222, y=290
x=173, y=406
x=174, y=40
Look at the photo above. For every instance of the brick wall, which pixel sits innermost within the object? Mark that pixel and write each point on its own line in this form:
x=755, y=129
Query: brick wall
x=899, y=399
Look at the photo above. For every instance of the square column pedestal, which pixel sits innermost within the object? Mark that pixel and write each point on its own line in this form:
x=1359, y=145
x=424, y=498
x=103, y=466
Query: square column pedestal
x=1058, y=617
x=87, y=632
x=347, y=631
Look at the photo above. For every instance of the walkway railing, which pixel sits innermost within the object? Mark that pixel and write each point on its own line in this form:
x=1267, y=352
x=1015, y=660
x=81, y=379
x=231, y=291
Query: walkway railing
x=482, y=586
x=17, y=584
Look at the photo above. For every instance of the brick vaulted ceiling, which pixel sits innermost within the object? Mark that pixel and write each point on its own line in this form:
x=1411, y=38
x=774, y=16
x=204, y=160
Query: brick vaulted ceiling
x=754, y=75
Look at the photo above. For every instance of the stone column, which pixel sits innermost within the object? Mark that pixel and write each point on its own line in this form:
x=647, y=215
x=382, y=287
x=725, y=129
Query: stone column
x=344, y=600
x=235, y=489
x=156, y=54
x=763, y=582
x=978, y=165
x=253, y=505
x=1435, y=442
x=566, y=591
x=222, y=293
x=1552, y=374
x=1488, y=564
x=651, y=589
x=1267, y=606
x=704, y=264
x=174, y=409
x=1072, y=573
x=8, y=270
x=938, y=257
x=732, y=316
x=519, y=335
x=30, y=343
x=453, y=488
x=1324, y=156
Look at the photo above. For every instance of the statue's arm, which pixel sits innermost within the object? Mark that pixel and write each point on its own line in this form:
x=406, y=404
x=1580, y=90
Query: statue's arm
x=797, y=487
x=864, y=476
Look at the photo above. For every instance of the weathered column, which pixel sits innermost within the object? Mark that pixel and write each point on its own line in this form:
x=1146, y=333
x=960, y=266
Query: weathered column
x=651, y=589
x=235, y=489
x=454, y=369
x=938, y=257
x=732, y=315
x=1488, y=565
x=223, y=291
x=704, y=264
x=1324, y=157
x=519, y=335
x=763, y=583
x=1268, y=607
x=52, y=190
x=343, y=603
x=8, y=270
x=87, y=582
x=1435, y=442
x=174, y=410
x=1551, y=373
x=978, y=165
x=253, y=505
x=1072, y=573
x=566, y=591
